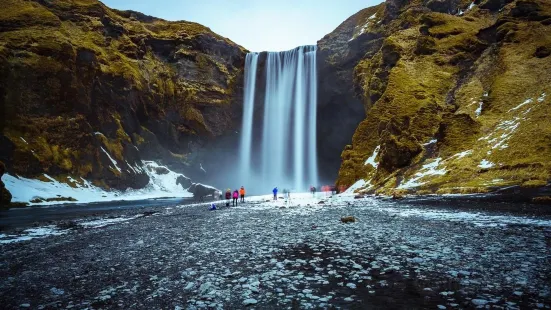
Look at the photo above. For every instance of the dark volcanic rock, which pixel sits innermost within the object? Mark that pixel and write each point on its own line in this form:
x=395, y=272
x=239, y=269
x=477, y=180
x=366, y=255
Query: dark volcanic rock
x=5, y=195
x=339, y=108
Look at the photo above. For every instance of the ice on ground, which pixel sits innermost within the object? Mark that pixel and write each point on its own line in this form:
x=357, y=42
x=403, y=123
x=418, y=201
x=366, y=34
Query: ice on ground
x=371, y=160
x=426, y=170
x=527, y=101
x=112, y=160
x=471, y=6
x=485, y=164
x=24, y=140
x=159, y=186
x=542, y=97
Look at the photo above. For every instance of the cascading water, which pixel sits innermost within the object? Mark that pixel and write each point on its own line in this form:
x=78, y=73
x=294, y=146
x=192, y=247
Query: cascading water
x=248, y=108
x=287, y=155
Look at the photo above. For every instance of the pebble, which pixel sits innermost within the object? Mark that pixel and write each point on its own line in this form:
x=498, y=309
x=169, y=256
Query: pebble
x=250, y=301
x=351, y=285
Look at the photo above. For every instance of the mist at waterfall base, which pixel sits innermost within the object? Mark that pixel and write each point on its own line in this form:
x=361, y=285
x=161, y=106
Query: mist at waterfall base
x=278, y=147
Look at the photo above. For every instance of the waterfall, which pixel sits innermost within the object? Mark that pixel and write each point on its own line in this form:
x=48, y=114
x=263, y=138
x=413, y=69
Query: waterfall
x=251, y=61
x=287, y=155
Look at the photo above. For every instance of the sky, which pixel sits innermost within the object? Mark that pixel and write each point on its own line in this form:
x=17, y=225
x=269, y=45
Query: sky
x=257, y=25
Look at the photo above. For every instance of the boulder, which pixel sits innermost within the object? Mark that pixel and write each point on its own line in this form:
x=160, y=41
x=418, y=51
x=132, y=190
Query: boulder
x=5, y=195
x=184, y=181
x=348, y=219
x=201, y=191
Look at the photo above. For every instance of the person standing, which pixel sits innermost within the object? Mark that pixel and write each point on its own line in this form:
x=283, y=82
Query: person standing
x=242, y=194
x=235, y=197
x=228, y=197
x=275, y=193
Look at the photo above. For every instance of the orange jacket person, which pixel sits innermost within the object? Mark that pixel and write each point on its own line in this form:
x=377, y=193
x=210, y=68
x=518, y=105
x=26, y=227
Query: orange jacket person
x=242, y=193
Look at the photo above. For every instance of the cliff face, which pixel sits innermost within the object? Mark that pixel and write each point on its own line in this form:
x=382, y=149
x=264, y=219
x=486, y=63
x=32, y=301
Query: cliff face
x=457, y=97
x=340, y=109
x=87, y=91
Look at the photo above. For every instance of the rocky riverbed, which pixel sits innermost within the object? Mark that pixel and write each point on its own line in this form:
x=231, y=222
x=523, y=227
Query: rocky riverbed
x=298, y=254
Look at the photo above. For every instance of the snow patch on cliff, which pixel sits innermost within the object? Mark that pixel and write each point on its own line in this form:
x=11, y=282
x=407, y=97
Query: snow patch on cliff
x=427, y=170
x=161, y=184
x=371, y=160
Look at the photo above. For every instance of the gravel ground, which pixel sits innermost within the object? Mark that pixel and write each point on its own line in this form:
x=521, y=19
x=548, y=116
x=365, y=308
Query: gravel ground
x=266, y=255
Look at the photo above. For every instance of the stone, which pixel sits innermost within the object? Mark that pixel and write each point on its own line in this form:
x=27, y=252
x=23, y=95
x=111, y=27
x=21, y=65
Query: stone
x=348, y=219
x=250, y=301
x=479, y=302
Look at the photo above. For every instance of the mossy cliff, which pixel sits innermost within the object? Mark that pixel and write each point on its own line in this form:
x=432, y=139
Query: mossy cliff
x=457, y=97
x=87, y=91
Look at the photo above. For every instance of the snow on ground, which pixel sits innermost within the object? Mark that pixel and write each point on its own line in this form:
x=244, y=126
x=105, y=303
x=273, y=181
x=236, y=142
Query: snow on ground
x=463, y=154
x=106, y=221
x=114, y=162
x=270, y=255
x=371, y=160
x=527, y=101
x=427, y=170
x=359, y=184
x=478, y=111
x=485, y=164
x=433, y=141
x=159, y=186
x=363, y=28
x=32, y=233
x=503, y=132
x=542, y=97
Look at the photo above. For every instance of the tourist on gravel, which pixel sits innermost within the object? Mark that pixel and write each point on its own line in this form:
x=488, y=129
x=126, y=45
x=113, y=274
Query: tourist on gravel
x=313, y=190
x=242, y=194
x=275, y=193
x=228, y=197
x=235, y=196
x=287, y=193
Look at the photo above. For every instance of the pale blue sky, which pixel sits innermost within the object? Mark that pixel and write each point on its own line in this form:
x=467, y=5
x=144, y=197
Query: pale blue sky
x=258, y=25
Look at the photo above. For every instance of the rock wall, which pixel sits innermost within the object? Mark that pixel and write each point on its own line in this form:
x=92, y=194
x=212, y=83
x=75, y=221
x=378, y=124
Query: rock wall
x=87, y=91
x=340, y=108
x=456, y=96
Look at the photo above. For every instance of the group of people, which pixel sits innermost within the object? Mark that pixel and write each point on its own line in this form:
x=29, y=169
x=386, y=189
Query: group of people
x=235, y=196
